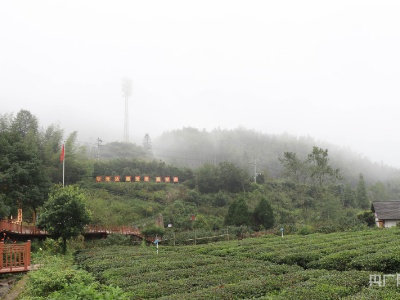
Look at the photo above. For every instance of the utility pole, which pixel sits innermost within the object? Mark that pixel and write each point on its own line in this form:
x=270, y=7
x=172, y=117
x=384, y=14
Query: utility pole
x=255, y=169
x=99, y=141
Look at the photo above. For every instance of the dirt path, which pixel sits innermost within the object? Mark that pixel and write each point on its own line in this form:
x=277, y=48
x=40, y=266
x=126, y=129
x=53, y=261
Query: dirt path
x=16, y=289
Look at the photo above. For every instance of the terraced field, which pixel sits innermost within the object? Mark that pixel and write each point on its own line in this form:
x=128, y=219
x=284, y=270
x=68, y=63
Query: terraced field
x=318, y=266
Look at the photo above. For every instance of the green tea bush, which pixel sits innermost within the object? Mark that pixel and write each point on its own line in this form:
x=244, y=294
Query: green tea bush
x=384, y=293
x=302, y=259
x=387, y=262
x=92, y=291
x=268, y=267
x=53, y=276
x=337, y=261
x=305, y=230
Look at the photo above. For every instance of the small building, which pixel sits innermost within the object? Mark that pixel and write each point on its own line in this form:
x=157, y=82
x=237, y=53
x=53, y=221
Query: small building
x=387, y=213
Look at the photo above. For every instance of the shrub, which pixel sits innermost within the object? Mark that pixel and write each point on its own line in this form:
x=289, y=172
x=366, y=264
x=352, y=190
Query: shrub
x=91, y=291
x=337, y=261
x=115, y=239
x=305, y=230
x=153, y=231
x=53, y=276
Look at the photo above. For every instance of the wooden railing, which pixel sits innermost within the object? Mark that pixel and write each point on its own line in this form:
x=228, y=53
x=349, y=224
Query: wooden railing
x=128, y=230
x=15, y=257
x=9, y=226
x=112, y=229
x=6, y=225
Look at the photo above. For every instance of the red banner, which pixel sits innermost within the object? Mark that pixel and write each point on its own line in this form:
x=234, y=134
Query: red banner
x=128, y=178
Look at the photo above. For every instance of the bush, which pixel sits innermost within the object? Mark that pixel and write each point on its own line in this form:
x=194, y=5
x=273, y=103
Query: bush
x=305, y=230
x=53, y=276
x=153, y=231
x=91, y=291
x=115, y=239
x=367, y=217
x=52, y=246
x=337, y=261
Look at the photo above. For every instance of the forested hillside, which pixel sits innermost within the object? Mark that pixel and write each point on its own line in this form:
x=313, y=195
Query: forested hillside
x=237, y=178
x=191, y=147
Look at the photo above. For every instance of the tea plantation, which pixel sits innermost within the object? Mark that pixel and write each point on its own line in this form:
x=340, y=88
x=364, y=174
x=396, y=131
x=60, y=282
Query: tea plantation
x=317, y=266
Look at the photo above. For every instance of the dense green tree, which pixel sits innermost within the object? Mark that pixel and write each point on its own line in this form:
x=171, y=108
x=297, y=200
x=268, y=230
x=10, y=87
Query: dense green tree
x=50, y=144
x=116, y=150
x=378, y=192
x=207, y=179
x=179, y=214
x=77, y=165
x=263, y=215
x=4, y=208
x=320, y=169
x=26, y=125
x=22, y=176
x=224, y=177
x=64, y=215
x=367, y=217
x=231, y=177
x=348, y=196
x=361, y=194
x=238, y=213
x=293, y=167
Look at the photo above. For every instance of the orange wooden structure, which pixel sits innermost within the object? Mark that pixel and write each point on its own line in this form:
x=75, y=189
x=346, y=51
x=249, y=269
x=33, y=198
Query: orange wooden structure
x=15, y=257
x=9, y=226
x=126, y=230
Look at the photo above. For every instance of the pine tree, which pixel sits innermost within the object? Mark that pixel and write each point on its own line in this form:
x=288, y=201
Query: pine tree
x=147, y=143
x=263, y=215
x=361, y=195
x=238, y=214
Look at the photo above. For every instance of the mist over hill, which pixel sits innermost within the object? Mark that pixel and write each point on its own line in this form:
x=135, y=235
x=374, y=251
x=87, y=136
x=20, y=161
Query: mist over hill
x=260, y=152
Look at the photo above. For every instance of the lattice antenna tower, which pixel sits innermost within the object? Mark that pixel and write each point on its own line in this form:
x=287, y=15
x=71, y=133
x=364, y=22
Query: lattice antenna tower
x=126, y=92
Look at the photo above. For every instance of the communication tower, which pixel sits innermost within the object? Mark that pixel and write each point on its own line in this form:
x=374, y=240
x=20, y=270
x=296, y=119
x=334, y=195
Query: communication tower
x=126, y=92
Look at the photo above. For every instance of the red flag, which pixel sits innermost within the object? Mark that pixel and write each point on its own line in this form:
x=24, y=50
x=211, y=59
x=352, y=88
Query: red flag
x=62, y=153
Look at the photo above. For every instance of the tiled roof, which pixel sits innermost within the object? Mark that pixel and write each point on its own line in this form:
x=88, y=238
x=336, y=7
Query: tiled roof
x=388, y=210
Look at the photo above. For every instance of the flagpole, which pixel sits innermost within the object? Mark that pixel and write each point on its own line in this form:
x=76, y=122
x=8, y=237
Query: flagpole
x=64, y=165
x=63, y=169
x=62, y=158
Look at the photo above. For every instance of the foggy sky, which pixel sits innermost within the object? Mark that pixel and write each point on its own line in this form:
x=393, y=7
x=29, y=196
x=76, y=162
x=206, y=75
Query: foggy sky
x=327, y=69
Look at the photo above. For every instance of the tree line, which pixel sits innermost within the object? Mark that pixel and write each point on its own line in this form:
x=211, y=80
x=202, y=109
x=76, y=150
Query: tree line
x=310, y=189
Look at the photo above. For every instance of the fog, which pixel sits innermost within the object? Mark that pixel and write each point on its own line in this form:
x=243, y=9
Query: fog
x=329, y=70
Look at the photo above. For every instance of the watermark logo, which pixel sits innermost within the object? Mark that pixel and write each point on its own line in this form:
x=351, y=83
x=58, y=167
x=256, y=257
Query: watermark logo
x=382, y=280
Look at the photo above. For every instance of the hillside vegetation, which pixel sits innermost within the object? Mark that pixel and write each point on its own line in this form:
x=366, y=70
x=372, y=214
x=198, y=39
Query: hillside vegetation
x=224, y=176
x=317, y=266
x=190, y=147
